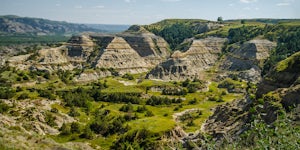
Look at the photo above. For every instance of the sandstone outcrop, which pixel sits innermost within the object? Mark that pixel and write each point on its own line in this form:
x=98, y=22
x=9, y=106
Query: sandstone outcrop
x=248, y=59
x=201, y=55
x=134, y=51
x=119, y=55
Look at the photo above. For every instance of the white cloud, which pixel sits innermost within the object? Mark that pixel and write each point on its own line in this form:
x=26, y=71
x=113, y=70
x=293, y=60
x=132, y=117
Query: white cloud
x=99, y=6
x=283, y=4
x=129, y=1
x=231, y=4
x=248, y=1
x=171, y=0
x=247, y=8
x=78, y=7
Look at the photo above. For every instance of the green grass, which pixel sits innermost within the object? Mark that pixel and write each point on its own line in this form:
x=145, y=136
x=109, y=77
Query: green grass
x=156, y=124
x=289, y=62
x=161, y=122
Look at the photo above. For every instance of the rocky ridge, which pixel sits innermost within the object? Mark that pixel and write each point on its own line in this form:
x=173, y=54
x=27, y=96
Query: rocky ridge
x=201, y=55
x=248, y=58
x=126, y=53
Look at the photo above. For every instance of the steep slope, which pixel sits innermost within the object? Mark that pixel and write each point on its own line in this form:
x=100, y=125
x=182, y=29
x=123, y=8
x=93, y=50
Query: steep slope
x=275, y=112
x=201, y=55
x=284, y=75
x=131, y=52
x=119, y=55
x=149, y=46
x=248, y=58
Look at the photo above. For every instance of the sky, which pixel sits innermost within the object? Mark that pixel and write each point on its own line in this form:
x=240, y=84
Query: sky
x=148, y=11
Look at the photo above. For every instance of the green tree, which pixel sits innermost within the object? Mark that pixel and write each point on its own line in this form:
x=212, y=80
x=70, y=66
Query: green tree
x=65, y=129
x=220, y=19
x=75, y=127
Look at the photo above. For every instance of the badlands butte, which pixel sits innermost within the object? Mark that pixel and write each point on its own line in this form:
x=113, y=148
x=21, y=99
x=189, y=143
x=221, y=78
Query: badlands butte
x=174, y=84
x=140, y=51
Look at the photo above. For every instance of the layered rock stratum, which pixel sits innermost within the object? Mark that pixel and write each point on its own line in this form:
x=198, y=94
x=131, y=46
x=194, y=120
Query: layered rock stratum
x=201, y=55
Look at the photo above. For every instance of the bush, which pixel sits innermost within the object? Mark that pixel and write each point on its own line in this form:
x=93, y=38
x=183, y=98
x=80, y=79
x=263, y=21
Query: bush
x=137, y=139
x=87, y=133
x=128, y=76
x=220, y=99
x=73, y=112
x=141, y=109
x=193, y=101
x=213, y=98
x=174, y=91
x=3, y=107
x=49, y=118
x=155, y=100
x=46, y=94
x=65, y=129
x=149, y=113
x=127, y=108
x=23, y=96
x=7, y=93
x=75, y=127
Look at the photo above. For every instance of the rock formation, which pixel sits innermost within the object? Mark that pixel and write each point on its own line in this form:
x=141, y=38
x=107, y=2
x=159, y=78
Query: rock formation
x=119, y=55
x=201, y=55
x=134, y=51
x=248, y=59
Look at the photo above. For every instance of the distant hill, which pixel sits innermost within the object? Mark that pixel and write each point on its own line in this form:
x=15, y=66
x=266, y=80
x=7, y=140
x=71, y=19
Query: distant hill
x=266, y=20
x=15, y=25
x=110, y=28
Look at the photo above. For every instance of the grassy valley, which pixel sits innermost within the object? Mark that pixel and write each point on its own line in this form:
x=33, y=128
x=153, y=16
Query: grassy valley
x=44, y=104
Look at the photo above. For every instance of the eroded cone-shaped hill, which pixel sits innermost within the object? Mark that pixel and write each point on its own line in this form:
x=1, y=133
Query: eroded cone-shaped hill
x=119, y=55
x=248, y=58
x=201, y=55
x=134, y=51
x=252, y=52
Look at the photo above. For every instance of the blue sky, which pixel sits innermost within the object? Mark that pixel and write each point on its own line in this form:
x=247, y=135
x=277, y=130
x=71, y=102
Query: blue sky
x=148, y=11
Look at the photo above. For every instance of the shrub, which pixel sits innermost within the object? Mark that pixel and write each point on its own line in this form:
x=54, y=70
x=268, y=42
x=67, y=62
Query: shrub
x=75, y=127
x=49, y=118
x=128, y=76
x=193, y=101
x=127, y=108
x=141, y=109
x=6, y=93
x=3, y=107
x=65, y=129
x=23, y=96
x=73, y=112
x=137, y=139
x=87, y=133
x=149, y=113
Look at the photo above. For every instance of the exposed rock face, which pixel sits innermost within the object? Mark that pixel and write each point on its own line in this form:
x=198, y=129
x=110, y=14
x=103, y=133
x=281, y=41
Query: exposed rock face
x=119, y=55
x=152, y=48
x=228, y=120
x=130, y=52
x=26, y=127
x=80, y=48
x=248, y=58
x=91, y=76
x=286, y=74
x=201, y=55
